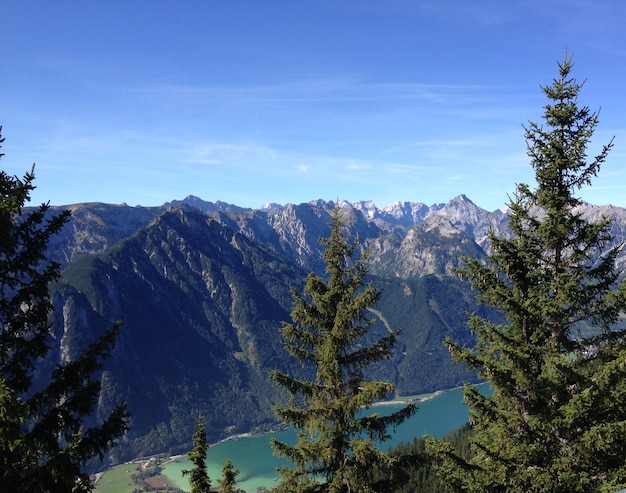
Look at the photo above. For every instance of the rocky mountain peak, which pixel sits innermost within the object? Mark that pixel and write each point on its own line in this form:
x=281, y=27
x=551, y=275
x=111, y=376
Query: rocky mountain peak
x=441, y=225
x=204, y=287
x=198, y=203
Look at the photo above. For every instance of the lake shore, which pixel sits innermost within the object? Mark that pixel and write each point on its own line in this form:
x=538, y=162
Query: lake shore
x=439, y=412
x=409, y=399
x=435, y=410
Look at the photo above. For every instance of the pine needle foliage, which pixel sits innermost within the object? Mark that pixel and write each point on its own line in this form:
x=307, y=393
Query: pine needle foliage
x=336, y=447
x=44, y=443
x=199, y=480
x=556, y=421
x=228, y=482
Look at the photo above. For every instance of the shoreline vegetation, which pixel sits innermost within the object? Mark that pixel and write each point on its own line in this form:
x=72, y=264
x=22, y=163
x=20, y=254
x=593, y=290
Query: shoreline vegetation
x=397, y=400
x=145, y=463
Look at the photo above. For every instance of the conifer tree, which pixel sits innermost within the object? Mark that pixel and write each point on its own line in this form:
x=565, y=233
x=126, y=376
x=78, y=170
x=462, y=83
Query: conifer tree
x=228, y=482
x=198, y=477
x=335, y=450
x=43, y=440
x=556, y=421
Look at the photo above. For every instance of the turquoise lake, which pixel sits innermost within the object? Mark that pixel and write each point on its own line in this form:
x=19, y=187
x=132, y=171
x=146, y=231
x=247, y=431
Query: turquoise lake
x=253, y=455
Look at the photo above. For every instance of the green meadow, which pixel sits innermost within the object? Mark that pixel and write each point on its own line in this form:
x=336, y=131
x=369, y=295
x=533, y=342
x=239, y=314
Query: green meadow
x=133, y=478
x=118, y=479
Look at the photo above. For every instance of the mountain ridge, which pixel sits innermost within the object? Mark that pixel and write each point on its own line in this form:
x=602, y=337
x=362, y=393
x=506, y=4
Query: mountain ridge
x=204, y=287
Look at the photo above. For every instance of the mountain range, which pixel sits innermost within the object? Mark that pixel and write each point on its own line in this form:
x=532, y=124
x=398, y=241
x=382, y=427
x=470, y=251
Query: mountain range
x=203, y=289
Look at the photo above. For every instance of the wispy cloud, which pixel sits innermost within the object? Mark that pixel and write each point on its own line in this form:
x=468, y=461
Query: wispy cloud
x=325, y=90
x=356, y=166
x=226, y=153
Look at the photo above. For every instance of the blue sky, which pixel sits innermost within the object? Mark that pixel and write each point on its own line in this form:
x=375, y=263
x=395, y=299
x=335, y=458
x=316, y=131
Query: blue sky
x=251, y=102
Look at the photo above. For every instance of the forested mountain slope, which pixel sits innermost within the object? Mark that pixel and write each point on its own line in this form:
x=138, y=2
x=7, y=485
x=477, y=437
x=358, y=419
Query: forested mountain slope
x=203, y=289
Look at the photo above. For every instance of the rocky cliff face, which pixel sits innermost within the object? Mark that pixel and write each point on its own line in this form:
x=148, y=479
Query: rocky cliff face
x=293, y=230
x=201, y=305
x=203, y=289
x=434, y=247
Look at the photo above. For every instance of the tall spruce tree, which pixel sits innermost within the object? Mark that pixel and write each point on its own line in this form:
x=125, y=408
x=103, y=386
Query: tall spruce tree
x=198, y=476
x=556, y=421
x=43, y=440
x=335, y=450
x=228, y=482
